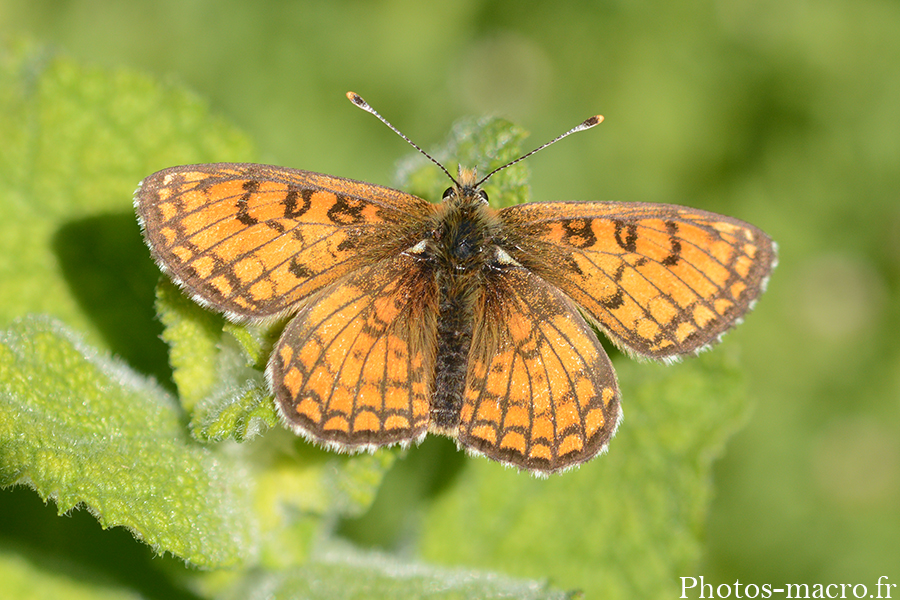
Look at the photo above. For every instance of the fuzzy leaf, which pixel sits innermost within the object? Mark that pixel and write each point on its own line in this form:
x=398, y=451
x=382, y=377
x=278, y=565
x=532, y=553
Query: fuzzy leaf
x=83, y=430
x=342, y=573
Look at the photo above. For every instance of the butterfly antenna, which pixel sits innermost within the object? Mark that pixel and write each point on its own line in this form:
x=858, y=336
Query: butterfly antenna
x=358, y=101
x=586, y=124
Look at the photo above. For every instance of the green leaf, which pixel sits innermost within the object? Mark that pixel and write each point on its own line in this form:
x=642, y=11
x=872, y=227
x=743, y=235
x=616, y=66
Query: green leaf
x=83, y=430
x=341, y=573
x=301, y=490
x=192, y=335
x=217, y=369
x=239, y=414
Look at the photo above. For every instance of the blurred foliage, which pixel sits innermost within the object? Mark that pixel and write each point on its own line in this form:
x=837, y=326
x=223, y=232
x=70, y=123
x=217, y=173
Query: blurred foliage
x=786, y=114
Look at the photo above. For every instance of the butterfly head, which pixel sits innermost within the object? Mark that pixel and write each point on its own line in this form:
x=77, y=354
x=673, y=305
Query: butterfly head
x=466, y=189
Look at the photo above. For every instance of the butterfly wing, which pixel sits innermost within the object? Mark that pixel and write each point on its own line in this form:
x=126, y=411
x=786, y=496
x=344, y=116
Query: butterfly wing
x=540, y=391
x=353, y=369
x=661, y=280
x=252, y=240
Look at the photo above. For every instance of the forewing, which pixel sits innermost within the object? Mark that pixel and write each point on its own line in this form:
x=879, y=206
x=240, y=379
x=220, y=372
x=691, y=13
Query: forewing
x=661, y=280
x=252, y=240
x=353, y=369
x=540, y=393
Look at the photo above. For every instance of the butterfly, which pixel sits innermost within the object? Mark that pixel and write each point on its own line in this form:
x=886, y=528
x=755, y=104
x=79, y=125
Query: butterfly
x=409, y=317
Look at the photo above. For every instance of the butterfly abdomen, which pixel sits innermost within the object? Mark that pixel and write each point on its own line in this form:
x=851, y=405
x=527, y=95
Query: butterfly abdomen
x=454, y=340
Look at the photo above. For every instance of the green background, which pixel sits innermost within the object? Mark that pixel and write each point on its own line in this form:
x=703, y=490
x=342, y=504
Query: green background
x=785, y=114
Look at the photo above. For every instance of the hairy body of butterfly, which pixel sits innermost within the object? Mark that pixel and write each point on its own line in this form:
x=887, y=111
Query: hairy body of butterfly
x=460, y=252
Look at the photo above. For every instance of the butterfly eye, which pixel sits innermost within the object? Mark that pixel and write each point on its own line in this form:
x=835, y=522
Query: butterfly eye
x=447, y=193
x=483, y=195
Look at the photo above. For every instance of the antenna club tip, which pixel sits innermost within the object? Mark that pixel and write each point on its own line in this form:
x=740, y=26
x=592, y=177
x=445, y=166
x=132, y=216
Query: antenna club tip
x=356, y=99
x=595, y=120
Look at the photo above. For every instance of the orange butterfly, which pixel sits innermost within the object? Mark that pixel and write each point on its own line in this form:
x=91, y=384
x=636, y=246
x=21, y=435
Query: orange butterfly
x=454, y=318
